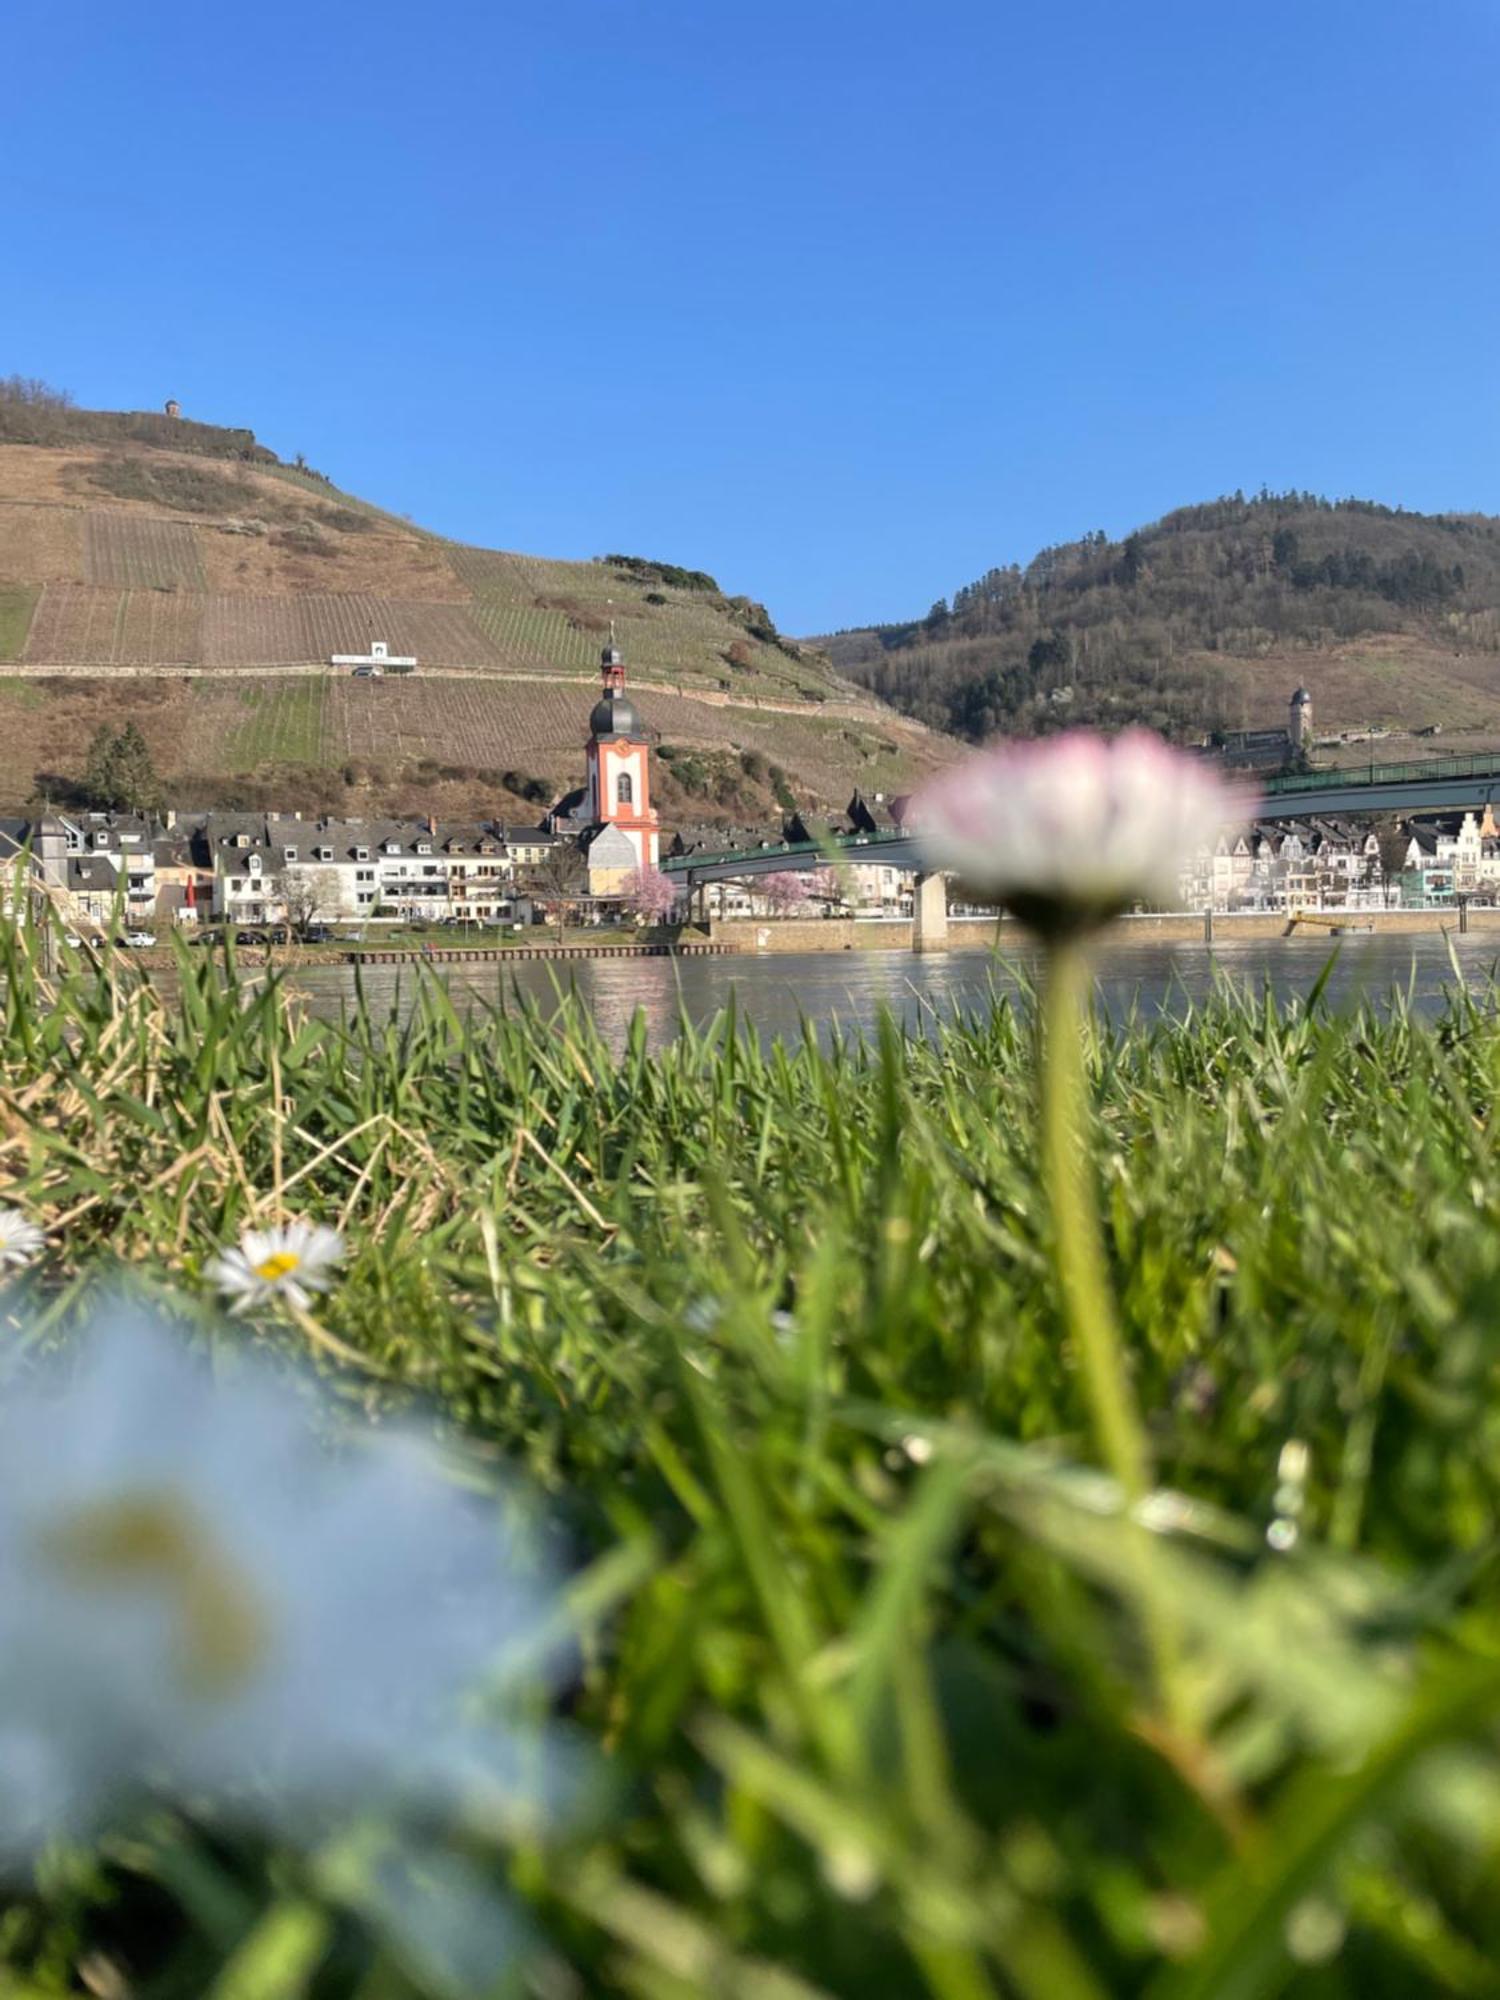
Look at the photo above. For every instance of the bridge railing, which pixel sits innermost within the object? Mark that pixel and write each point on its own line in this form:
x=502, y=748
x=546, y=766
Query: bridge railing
x=1416, y=771
x=791, y=850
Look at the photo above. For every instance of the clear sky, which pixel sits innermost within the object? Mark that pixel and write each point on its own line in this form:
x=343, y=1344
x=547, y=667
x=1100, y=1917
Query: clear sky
x=843, y=300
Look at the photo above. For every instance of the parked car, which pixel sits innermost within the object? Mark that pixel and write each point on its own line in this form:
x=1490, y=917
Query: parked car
x=206, y=937
x=139, y=940
x=251, y=937
x=317, y=934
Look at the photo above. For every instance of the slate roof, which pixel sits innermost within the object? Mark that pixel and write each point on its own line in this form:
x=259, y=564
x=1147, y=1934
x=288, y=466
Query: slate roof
x=610, y=848
x=91, y=871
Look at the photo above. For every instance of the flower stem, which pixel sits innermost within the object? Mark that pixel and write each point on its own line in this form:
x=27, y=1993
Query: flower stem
x=1089, y=1307
x=1082, y=1276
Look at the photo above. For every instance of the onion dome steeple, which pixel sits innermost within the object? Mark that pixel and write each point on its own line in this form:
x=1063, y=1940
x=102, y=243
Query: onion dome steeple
x=614, y=713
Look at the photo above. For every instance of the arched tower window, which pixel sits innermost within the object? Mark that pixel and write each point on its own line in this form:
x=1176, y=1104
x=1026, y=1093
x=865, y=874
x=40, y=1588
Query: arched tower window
x=624, y=791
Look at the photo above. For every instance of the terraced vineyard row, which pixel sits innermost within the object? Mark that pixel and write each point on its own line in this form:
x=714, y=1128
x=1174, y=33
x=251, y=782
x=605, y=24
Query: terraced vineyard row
x=250, y=631
x=77, y=625
x=281, y=722
x=529, y=637
x=492, y=573
x=494, y=724
x=140, y=552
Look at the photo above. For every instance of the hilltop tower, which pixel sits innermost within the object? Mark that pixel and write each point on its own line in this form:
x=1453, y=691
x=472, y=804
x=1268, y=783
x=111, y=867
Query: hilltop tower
x=174, y=408
x=619, y=771
x=1301, y=728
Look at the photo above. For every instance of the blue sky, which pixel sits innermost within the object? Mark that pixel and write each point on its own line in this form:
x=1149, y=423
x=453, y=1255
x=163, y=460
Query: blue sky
x=843, y=302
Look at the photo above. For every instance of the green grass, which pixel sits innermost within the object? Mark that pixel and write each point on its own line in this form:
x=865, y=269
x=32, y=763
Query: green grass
x=17, y=602
x=773, y=1334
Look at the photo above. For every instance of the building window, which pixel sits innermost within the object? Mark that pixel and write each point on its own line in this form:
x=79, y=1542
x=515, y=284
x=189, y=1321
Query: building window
x=624, y=791
x=361, y=853
x=290, y=853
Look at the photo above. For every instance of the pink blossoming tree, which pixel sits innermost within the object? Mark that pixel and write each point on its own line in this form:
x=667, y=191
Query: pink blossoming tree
x=784, y=892
x=650, y=896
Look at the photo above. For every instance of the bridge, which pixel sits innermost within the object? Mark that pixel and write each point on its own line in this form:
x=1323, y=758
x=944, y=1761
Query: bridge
x=1426, y=784
x=871, y=850
x=1429, y=784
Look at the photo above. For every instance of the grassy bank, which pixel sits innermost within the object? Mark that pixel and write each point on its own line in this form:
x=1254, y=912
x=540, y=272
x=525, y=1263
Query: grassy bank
x=772, y=1335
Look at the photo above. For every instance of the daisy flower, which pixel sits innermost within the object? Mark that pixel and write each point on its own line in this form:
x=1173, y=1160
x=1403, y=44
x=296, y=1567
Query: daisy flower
x=21, y=1242
x=290, y=1262
x=203, y=1597
x=1070, y=830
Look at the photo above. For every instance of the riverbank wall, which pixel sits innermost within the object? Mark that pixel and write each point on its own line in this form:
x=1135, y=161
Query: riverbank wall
x=800, y=934
x=755, y=937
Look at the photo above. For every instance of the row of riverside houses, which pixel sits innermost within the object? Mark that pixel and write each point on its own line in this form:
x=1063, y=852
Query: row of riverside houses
x=1315, y=864
x=1322, y=864
x=1451, y=856
x=254, y=868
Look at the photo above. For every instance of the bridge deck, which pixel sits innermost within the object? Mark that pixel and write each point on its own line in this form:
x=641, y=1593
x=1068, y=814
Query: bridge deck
x=1420, y=785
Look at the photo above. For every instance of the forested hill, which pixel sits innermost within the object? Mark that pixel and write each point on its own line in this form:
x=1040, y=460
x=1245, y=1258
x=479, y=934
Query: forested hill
x=1207, y=619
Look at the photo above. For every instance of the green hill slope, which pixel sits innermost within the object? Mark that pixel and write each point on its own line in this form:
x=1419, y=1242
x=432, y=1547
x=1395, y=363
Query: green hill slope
x=1209, y=618
x=179, y=574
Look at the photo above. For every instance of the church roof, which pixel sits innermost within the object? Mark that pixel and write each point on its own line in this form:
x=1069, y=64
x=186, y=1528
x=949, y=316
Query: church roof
x=610, y=848
x=614, y=715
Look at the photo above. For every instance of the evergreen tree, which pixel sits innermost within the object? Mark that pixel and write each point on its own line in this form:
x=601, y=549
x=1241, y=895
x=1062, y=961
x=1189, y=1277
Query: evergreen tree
x=99, y=772
x=135, y=781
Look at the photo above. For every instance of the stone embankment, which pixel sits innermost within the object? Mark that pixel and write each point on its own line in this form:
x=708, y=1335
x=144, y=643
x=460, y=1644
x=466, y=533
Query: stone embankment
x=792, y=934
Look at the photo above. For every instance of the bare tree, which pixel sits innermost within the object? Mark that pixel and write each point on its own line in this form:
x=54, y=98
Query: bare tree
x=559, y=879
x=307, y=895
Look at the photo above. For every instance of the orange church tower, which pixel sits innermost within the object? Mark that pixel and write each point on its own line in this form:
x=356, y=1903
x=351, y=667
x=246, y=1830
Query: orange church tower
x=619, y=767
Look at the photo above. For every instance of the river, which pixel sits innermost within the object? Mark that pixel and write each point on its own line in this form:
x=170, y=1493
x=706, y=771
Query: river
x=778, y=993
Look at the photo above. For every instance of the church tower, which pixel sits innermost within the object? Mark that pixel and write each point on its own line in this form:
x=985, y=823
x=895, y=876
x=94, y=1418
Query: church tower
x=619, y=770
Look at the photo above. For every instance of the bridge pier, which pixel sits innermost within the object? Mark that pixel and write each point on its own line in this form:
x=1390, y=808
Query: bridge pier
x=929, y=912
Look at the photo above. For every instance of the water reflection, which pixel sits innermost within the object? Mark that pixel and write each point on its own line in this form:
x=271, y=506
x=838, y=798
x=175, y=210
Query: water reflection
x=781, y=995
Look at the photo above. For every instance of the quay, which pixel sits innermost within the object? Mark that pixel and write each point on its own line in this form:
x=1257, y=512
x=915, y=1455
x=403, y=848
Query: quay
x=477, y=954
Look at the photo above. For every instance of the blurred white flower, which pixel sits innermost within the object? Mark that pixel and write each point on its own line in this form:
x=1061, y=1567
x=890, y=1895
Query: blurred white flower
x=203, y=1596
x=1070, y=830
x=291, y=1262
x=21, y=1242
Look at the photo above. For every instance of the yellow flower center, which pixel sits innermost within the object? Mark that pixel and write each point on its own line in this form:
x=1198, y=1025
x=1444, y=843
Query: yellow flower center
x=222, y=1630
x=277, y=1265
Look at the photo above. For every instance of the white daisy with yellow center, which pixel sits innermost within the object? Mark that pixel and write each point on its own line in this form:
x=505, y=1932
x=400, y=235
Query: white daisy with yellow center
x=291, y=1263
x=21, y=1242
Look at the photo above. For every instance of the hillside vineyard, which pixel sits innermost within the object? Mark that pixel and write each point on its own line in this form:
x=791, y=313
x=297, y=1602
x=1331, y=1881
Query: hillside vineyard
x=179, y=575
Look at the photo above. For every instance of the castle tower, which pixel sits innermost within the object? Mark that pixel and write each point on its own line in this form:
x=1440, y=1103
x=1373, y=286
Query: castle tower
x=1301, y=729
x=619, y=765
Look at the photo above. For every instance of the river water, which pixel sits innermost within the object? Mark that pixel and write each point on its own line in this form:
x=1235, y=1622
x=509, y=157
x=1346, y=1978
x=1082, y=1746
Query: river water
x=779, y=993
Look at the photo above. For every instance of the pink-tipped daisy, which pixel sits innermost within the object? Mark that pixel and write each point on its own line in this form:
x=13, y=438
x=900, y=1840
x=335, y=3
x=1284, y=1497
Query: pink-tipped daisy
x=1070, y=830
